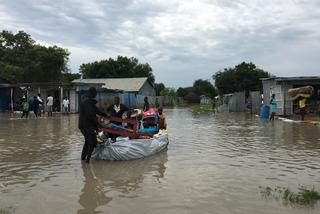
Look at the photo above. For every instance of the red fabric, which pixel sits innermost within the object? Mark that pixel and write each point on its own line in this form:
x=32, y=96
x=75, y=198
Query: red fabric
x=150, y=112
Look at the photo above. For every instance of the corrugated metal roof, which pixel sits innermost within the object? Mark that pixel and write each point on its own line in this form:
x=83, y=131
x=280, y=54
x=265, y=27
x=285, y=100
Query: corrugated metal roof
x=5, y=85
x=123, y=84
x=284, y=79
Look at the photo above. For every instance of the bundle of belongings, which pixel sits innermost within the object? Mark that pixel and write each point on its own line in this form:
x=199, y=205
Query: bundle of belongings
x=140, y=125
x=305, y=92
x=135, y=135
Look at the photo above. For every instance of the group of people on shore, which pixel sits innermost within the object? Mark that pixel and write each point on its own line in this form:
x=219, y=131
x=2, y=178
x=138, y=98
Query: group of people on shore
x=37, y=105
x=88, y=123
x=301, y=101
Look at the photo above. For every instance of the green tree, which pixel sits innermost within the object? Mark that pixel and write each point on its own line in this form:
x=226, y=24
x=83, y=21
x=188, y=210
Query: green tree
x=200, y=87
x=122, y=67
x=158, y=87
x=181, y=92
x=21, y=60
x=68, y=77
x=168, y=91
x=204, y=87
x=243, y=77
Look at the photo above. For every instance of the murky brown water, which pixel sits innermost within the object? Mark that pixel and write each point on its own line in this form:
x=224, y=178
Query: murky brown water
x=214, y=164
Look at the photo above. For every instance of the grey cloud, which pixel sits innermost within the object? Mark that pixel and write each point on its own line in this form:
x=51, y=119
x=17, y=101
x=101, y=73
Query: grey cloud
x=182, y=40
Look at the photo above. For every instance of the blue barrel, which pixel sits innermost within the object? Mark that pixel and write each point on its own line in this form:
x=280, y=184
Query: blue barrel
x=264, y=112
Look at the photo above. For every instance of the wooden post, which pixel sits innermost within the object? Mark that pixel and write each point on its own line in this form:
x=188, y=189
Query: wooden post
x=284, y=99
x=11, y=94
x=27, y=94
x=61, y=98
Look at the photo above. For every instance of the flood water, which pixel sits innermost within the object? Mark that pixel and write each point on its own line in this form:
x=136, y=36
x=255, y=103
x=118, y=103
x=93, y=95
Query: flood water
x=214, y=164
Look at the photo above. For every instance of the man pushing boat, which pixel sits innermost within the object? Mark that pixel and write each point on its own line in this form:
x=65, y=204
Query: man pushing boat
x=88, y=123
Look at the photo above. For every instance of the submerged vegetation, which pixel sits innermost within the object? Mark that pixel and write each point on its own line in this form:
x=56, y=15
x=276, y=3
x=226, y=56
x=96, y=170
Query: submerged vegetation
x=303, y=196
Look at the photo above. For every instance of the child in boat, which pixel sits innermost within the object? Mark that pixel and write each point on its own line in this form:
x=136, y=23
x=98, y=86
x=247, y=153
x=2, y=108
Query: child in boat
x=162, y=123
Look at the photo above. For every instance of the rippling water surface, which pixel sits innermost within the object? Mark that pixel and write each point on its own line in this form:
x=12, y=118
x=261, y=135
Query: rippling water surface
x=214, y=164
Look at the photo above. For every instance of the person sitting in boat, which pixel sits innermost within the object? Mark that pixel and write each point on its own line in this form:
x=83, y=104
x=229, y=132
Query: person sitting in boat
x=117, y=110
x=146, y=105
x=102, y=105
x=162, y=123
x=149, y=121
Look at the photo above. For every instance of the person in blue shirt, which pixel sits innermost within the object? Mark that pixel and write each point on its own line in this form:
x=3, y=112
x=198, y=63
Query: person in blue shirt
x=273, y=106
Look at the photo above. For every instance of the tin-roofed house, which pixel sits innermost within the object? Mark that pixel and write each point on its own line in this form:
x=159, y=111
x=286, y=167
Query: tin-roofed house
x=12, y=93
x=130, y=90
x=139, y=85
x=280, y=86
x=192, y=97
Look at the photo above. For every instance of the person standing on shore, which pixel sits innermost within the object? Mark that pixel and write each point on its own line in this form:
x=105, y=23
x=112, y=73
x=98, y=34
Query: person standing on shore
x=25, y=108
x=35, y=106
x=49, y=105
x=40, y=104
x=88, y=123
x=273, y=106
x=65, y=104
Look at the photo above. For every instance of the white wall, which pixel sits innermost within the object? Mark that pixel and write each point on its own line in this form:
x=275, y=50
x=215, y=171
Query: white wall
x=284, y=103
x=73, y=101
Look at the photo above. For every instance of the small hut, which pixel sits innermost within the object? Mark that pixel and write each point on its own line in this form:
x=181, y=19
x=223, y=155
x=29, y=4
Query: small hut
x=192, y=97
x=280, y=87
x=205, y=99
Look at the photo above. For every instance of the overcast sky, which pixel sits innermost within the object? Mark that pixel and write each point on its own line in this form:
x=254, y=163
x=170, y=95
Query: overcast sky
x=182, y=40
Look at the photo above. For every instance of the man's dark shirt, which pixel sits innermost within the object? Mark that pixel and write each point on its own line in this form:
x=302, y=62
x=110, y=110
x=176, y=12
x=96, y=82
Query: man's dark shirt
x=120, y=110
x=35, y=104
x=87, y=114
x=146, y=106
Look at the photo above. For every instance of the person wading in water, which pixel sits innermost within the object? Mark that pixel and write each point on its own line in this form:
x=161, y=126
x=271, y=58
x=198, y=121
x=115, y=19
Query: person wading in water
x=302, y=107
x=88, y=124
x=273, y=105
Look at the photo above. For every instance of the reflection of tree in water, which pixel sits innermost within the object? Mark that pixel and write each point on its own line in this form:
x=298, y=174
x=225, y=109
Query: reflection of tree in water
x=123, y=176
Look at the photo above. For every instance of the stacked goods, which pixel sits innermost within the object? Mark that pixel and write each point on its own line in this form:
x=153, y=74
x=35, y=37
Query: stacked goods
x=126, y=139
x=141, y=125
x=305, y=92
